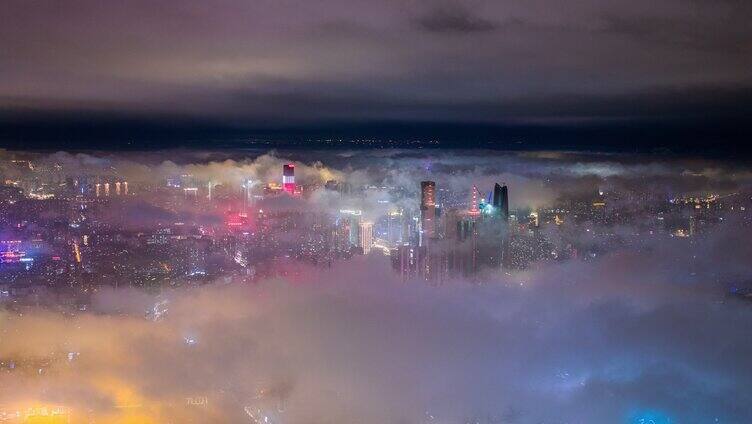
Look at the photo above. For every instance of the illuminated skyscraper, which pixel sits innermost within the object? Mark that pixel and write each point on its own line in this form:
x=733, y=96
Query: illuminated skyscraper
x=288, y=178
x=394, y=227
x=366, y=236
x=354, y=218
x=501, y=202
x=501, y=210
x=342, y=235
x=428, y=209
x=248, y=194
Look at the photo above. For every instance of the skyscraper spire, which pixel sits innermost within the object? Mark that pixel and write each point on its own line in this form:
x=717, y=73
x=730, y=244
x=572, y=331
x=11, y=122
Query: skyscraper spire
x=474, y=211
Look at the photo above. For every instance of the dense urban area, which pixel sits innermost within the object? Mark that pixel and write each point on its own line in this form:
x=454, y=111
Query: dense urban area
x=63, y=236
x=75, y=226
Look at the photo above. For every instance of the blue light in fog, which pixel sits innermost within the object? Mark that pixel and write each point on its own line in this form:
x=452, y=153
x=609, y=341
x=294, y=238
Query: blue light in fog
x=650, y=417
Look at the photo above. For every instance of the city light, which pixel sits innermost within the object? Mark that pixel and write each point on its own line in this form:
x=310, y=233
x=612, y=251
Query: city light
x=376, y=212
x=216, y=296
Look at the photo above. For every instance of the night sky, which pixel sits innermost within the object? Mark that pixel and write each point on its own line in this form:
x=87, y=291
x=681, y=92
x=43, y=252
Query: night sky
x=589, y=74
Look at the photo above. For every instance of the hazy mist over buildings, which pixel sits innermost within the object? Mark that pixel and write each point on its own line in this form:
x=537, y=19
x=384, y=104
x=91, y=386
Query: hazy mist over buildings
x=636, y=309
x=375, y=212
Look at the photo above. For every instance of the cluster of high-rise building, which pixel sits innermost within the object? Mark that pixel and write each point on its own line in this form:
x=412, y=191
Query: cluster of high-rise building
x=456, y=241
x=67, y=234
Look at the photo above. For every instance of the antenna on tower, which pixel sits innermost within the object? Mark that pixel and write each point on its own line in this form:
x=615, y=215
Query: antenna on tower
x=474, y=194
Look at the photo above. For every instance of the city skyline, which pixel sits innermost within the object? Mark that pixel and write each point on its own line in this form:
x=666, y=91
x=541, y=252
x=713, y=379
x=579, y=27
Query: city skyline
x=375, y=212
x=257, y=302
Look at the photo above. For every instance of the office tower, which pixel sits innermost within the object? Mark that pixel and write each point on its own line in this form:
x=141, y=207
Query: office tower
x=408, y=227
x=447, y=219
x=465, y=229
x=366, y=236
x=501, y=202
x=247, y=194
x=465, y=256
x=404, y=260
x=342, y=233
x=440, y=222
x=288, y=178
x=427, y=210
x=394, y=227
x=501, y=210
x=353, y=218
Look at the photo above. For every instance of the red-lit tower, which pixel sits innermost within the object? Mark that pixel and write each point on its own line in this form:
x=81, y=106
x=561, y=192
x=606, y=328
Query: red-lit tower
x=288, y=178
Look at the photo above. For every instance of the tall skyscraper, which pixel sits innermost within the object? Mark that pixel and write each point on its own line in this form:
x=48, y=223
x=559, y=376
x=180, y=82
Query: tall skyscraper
x=353, y=217
x=394, y=227
x=248, y=194
x=465, y=229
x=501, y=202
x=428, y=209
x=501, y=210
x=465, y=258
x=366, y=236
x=342, y=233
x=288, y=178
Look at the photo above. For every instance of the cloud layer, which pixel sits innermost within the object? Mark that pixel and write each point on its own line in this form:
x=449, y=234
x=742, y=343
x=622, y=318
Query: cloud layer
x=291, y=61
x=582, y=342
x=645, y=331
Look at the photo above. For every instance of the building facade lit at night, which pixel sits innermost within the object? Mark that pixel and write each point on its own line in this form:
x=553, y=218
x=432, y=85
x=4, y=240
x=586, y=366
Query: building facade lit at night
x=288, y=178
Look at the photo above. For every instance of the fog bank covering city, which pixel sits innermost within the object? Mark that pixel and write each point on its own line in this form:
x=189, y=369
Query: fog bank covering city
x=400, y=286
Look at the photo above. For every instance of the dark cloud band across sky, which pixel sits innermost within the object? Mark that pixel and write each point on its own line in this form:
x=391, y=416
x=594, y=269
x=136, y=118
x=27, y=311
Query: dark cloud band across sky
x=264, y=64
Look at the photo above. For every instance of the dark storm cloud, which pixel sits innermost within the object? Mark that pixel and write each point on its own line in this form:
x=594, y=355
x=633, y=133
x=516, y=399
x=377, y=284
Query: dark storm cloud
x=454, y=19
x=256, y=63
x=693, y=31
